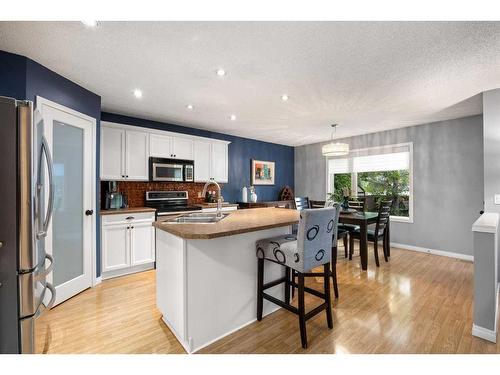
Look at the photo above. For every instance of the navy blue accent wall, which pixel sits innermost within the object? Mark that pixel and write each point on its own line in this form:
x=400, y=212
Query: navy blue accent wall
x=12, y=75
x=241, y=151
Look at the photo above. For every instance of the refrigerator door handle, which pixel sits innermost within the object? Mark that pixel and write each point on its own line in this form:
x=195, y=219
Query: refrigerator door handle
x=41, y=311
x=46, y=271
x=45, y=150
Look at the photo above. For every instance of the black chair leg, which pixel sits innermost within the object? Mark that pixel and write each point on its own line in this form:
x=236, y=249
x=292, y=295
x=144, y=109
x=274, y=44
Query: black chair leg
x=375, y=250
x=287, y=285
x=302, y=312
x=293, y=279
x=346, y=247
x=334, y=272
x=386, y=248
x=328, y=298
x=351, y=247
x=260, y=288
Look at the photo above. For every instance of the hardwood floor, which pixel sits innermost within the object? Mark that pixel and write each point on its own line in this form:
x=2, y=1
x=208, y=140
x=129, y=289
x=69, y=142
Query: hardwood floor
x=416, y=303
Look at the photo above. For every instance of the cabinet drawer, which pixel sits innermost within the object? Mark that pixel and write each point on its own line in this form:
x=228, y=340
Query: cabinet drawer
x=126, y=218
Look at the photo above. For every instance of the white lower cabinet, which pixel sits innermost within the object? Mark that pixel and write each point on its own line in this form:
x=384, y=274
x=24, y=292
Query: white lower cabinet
x=127, y=244
x=142, y=243
x=115, y=247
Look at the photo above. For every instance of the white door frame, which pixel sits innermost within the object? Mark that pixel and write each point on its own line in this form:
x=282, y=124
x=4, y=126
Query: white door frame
x=40, y=102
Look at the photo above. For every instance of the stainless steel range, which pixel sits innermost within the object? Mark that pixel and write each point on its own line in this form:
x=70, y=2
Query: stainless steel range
x=169, y=202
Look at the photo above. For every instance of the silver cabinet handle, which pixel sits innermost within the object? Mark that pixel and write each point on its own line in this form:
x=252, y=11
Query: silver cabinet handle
x=50, y=207
x=46, y=271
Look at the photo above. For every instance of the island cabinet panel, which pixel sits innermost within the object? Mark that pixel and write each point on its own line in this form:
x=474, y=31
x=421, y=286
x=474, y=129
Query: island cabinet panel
x=171, y=283
x=206, y=289
x=127, y=243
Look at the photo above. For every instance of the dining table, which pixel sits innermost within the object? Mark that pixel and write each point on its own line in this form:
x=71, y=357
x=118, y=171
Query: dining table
x=362, y=219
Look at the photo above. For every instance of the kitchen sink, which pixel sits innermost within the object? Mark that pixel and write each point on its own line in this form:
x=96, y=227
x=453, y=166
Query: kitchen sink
x=198, y=218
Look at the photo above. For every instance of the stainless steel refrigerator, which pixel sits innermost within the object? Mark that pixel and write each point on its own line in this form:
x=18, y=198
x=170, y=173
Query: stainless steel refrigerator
x=26, y=202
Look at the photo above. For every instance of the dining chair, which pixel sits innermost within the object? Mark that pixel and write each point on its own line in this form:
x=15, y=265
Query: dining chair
x=336, y=235
x=349, y=228
x=302, y=203
x=375, y=235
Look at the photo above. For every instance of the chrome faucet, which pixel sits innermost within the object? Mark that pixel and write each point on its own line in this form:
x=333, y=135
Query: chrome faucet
x=219, y=196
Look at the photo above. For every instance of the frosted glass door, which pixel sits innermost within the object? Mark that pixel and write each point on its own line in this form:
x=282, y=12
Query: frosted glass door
x=69, y=238
x=67, y=225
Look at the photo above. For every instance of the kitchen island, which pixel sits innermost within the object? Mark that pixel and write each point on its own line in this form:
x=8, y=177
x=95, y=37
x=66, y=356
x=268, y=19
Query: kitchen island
x=206, y=274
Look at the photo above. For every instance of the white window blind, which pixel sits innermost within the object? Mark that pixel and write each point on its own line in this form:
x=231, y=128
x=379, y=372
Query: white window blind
x=387, y=158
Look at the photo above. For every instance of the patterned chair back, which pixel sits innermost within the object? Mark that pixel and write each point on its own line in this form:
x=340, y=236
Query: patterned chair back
x=314, y=237
x=336, y=219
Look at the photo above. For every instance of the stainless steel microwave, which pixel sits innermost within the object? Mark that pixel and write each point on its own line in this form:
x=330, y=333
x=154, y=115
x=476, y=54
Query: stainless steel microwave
x=171, y=170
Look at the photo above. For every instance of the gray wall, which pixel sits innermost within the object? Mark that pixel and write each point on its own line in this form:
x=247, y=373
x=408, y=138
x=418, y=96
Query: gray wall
x=491, y=138
x=447, y=174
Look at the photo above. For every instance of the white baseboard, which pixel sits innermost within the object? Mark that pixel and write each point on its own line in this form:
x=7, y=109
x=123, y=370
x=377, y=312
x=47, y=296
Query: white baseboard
x=97, y=281
x=486, y=334
x=127, y=271
x=448, y=254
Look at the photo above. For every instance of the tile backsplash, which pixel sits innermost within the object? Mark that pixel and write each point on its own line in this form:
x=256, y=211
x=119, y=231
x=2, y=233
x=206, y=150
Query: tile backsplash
x=136, y=190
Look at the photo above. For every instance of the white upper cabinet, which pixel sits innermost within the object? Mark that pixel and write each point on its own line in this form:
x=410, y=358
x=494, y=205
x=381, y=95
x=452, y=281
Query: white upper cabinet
x=171, y=147
x=125, y=152
x=136, y=155
x=219, y=162
x=202, y=151
x=160, y=146
x=182, y=148
x=112, y=153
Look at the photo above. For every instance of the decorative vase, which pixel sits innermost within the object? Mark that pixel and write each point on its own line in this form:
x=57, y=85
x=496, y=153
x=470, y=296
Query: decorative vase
x=244, y=194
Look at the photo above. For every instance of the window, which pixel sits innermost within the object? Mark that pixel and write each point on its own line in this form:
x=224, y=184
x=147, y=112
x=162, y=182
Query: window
x=375, y=174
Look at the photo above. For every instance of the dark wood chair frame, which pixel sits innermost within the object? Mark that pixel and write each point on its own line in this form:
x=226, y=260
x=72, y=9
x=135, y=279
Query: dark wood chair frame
x=290, y=283
x=381, y=230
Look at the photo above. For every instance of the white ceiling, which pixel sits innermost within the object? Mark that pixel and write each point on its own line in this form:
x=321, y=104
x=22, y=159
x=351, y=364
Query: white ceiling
x=366, y=76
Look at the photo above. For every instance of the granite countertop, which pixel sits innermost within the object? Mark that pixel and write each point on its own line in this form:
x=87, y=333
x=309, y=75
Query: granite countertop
x=127, y=210
x=240, y=221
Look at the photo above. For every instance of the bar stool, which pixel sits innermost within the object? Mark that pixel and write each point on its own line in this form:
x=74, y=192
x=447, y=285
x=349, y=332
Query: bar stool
x=309, y=249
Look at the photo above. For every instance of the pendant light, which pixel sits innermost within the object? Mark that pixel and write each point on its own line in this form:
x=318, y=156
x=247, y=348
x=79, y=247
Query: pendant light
x=335, y=148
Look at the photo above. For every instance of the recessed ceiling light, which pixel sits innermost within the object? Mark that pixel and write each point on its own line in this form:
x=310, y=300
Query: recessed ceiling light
x=221, y=72
x=284, y=97
x=138, y=93
x=232, y=117
x=190, y=107
x=90, y=23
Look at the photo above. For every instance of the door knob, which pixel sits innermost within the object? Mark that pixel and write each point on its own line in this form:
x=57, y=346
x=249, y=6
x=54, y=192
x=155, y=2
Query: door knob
x=89, y=212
